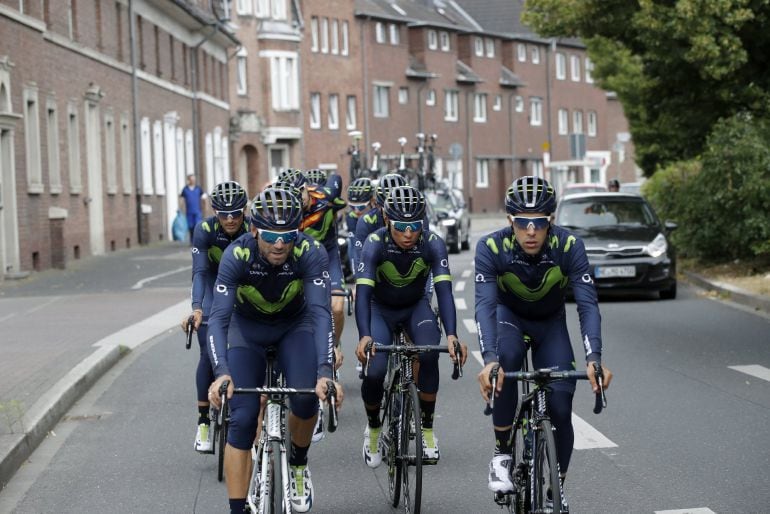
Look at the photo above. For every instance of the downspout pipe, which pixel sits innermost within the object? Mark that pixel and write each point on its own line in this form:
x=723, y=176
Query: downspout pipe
x=135, y=119
x=365, y=73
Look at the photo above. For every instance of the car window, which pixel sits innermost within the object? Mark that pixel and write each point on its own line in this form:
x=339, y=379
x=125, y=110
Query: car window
x=441, y=201
x=597, y=212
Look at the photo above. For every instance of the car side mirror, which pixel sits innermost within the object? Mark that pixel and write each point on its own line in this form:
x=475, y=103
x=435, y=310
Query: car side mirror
x=670, y=225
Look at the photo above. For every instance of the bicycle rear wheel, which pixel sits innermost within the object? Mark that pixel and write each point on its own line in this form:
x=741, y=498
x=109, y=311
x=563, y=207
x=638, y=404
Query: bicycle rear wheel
x=411, y=451
x=391, y=440
x=519, y=470
x=546, y=469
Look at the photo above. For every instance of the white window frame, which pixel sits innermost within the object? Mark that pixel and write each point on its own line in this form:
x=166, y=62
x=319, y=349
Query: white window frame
x=381, y=101
x=561, y=66
x=314, y=34
x=482, y=173
x=535, y=54
x=333, y=117
x=432, y=40
x=521, y=51
x=262, y=8
x=498, y=104
x=73, y=149
x=146, y=136
x=278, y=10
x=445, y=41
x=394, y=33
x=272, y=169
x=284, y=80
x=379, y=32
x=315, y=110
x=480, y=107
x=478, y=46
x=32, y=140
x=158, y=167
x=345, y=38
x=589, y=68
x=52, y=140
x=451, y=105
x=110, y=154
x=125, y=152
x=489, y=43
x=324, y=35
x=241, y=72
x=430, y=98
x=519, y=103
x=243, y=7
x=577, y=122
x=563, y=122
x=351, y=112
x=574, y=64
x=403, y=95
x=592, y=124
x=335, y=36
x=535, y=111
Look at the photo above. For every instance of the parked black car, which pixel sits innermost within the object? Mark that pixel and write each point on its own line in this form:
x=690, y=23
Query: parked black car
x=451, y=218
x=627, y=245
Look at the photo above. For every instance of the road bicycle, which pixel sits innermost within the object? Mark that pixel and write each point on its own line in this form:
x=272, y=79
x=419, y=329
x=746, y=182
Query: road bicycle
x=535, y=470
x=374, y=169
x=401, y=419
x=269, y=483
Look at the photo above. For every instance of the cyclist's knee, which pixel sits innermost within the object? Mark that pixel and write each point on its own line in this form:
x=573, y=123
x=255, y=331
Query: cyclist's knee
x=243, y=426
x=560, y=408
x=304, y=406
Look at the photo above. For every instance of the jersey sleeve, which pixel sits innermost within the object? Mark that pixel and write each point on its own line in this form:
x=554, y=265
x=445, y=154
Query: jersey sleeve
x=365, y=280
x=200, y=266
x=486, y=301
x=365, y=226
x=586, y=298
x=317, y=296
x=225, y=288
x=442, y=280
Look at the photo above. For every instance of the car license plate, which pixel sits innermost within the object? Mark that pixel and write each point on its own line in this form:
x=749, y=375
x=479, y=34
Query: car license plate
x=615, y=271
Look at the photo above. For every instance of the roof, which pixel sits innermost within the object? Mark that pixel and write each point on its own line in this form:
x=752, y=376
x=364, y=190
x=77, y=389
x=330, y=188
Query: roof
x=433, y=13
x=509, y=78
x=205, y=17
x=417, y=70
x=466, y=74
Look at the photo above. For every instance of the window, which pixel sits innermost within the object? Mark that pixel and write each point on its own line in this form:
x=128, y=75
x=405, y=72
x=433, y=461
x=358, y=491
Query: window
x=334, y=112
x=262, y=8
x=52, y=126
x=521, y=51
x=111, y=154
x=563, y=122
x=350, y=114
x=538, y=169
x=73, y=147
x=574, y=63
x=444, y=37
x=561, y=66
x=430, y=98
x=243, y=7
x=519, y=104
x=480, y=107
x=394, y=34
x=592, y=123
x=432, y=40
x=535, y=54
x=315, y=110
x=381, y=108
x=279, y=9
x=32, y=141
x=589, y=70
x=451, y=105
x=157, y=154
x=379, y=32
x=146, y=157
x=403, y=95
x=478, y=45
x=482, y=173
x=284, y=83
x=490, y=44
x=324, y=35
x=278, y=160
x=335, y=37
x=242, y=83
x=314, y=34
x=535, y=111
x=577, y=122
x=125, y=153
x=345, y=46
x=498, y=105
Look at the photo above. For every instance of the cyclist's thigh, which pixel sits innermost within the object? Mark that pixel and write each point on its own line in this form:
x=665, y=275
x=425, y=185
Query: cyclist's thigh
x=422, y=327
x=298, y=358
x=510, y=339
x=247, y=368
x=552, y=348
x=383, y=322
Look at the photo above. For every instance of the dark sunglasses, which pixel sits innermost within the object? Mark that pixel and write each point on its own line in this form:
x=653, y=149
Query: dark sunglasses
x=524, y=222
x=401, y=226
x=270, y=237
x=224, y=215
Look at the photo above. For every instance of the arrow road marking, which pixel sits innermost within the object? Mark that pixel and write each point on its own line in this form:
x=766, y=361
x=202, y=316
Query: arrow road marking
x=755, y=370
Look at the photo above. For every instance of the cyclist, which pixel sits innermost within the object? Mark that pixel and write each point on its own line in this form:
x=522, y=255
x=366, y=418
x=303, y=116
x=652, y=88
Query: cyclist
x=210, y=238
x=272, y=289
x=395, y=264
x=360, y=199
x=372, y=220
x=521, y=275
x=613, y=186
x=332, y=185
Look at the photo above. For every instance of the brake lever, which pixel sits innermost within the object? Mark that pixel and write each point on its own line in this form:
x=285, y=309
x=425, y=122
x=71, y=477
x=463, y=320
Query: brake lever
x=493, y=380
x=457, y=372
x=331, y=398
x=190, y=325
x=600, y=400
x=368, y=350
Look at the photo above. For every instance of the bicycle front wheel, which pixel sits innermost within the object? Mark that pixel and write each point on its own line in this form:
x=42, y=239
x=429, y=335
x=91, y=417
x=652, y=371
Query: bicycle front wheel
x=220, y=434
x=391, y=439
x=545, y=474
x=411, y=451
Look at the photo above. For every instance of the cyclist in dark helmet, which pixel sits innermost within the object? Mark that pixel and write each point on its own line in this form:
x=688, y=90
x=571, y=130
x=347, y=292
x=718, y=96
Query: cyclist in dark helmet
x=396, y=263
x=613, y=185
x=522, y=272
x=210, y=238
x=272, y=290
x=360, y=200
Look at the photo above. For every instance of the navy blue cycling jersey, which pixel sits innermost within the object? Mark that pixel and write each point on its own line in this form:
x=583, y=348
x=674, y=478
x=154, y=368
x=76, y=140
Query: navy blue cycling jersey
x=252, y=287
x=209, y=242
x=319, y=217
x=396, y=278
x=534, y=287
x=368, y=223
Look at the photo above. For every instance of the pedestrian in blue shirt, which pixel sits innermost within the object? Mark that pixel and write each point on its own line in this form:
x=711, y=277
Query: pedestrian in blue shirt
x=192, y=203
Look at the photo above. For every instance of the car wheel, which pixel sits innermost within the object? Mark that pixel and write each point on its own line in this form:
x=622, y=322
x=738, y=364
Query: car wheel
x=466, y=244
x=668, y=294
x=455, y=248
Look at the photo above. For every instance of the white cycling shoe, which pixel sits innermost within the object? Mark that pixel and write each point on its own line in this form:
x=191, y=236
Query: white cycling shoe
x=500, y=474
x=301, y=488
x=372, y=451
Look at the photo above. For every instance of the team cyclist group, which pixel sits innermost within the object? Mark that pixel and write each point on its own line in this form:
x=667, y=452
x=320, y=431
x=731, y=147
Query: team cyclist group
x=264, y=270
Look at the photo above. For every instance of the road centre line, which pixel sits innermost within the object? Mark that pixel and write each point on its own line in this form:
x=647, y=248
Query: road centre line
x=460, y=304
x=699, y=510
x=466, y=273
x=460, y=286
x=144, y=281
x=470, y=325
x=755, y=370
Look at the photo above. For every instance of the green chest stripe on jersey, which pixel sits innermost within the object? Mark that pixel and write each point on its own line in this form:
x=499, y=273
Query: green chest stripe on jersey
x=319, y=233
x=215, y=254
x=510, y=282
x=254, y=297
x=387, y=271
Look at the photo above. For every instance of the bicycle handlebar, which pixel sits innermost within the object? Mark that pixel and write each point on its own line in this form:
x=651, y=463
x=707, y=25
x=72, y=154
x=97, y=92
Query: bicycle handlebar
x=347, y=293
x=412, y=350
x=190, y=325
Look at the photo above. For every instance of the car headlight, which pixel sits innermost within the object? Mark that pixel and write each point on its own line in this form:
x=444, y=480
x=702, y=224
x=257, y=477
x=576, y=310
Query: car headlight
x=448, y=222
x=658, y=246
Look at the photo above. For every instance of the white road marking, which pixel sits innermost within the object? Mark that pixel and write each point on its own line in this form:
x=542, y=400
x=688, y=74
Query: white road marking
x=755, y=370
x=7, y=316
x=699, y=510
x=42, y=305
x=460, y=304
x=587, y=437
x=144, y=281
x=477, y=354
x=470, y=325
x=460, y=286
x=466, y=273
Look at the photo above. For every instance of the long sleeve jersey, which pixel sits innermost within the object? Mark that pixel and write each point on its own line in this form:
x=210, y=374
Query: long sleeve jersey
x=368, y=223
x=319, y=218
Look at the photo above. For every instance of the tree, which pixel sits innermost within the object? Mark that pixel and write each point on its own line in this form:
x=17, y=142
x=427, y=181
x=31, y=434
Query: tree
x=678, y=66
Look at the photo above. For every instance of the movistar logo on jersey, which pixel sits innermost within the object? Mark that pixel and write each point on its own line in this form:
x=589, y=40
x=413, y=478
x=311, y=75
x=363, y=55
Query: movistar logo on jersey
x=511, y=283
x=251, y=295
x=371, y=219
x=492, y=244
x=215, y=254
x=387, y=271
x=241, y=253
x=301, y=248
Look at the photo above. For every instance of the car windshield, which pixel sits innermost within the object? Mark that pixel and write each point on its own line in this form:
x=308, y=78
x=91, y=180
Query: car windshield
x=584, y=189
x=601, y=212
x=441, y=202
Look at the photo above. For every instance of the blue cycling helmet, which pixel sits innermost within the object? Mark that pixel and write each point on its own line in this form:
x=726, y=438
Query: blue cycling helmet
x=316, y=177
x=360, y=190
x=530, y=194
x=294, y=177
x=276, y=209
x=405, y=203
x=288, y=187
x=388, y=182
x=228, y=196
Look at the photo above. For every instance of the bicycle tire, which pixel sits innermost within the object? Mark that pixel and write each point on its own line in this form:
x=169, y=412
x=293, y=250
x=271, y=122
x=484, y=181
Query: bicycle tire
x=390, y=431
x=520, y=501
x=546, y=469
x=277, y=495
x=221, y=442
x=411, y=451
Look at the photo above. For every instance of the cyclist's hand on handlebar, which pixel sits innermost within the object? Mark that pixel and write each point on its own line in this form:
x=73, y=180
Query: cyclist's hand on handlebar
x=321, y=387
x=451, y=340
x=214, y=398
x=485, y=384
x=197, y=315
x=592, y=379
x=361, y=348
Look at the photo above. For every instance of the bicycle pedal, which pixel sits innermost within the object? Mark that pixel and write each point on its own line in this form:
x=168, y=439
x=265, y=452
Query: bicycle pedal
x=429, y=462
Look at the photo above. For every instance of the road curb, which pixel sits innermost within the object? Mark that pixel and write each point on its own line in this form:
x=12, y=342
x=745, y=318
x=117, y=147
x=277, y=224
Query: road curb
x=731, y=292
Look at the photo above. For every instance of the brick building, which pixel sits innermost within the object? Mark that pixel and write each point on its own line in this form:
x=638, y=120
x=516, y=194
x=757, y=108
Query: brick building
x=72, y=180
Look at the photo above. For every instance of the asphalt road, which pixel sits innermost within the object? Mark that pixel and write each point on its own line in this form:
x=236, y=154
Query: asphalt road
x=683, y=431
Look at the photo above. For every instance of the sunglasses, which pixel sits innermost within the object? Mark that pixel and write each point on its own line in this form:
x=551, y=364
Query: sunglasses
x=537, y=223
x=225, y=215
x=270, y=237
x=402, y=226
x=358, y=206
